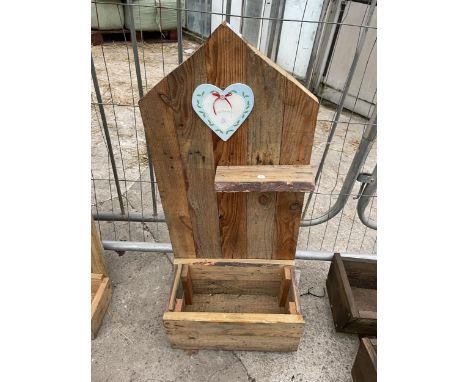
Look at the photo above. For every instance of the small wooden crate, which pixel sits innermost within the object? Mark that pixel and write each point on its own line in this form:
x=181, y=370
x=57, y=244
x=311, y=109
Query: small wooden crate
x=234, y=305
x=352, y=291
x=365, y=364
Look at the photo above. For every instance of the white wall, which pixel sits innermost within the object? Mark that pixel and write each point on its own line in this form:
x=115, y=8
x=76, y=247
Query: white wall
x=296, y=37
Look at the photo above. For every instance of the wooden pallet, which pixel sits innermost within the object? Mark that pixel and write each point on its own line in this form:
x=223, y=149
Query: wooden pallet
x=98, y=36
x=232, y=207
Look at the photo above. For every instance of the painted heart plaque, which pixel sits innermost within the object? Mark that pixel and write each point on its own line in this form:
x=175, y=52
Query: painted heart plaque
x=223, y=110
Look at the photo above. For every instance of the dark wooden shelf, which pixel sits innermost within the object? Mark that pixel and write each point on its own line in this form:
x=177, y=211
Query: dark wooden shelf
x=276, y=178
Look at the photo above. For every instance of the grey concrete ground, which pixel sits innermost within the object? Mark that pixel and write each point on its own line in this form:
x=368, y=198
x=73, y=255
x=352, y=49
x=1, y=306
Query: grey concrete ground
x=132, y=346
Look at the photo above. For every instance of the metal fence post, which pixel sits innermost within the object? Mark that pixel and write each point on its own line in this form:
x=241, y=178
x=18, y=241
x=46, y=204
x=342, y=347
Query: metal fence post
x=358, y=161
x=107, y=136
x=344, y=94
x=141, y=93
x=367, y=193
x=180, y=50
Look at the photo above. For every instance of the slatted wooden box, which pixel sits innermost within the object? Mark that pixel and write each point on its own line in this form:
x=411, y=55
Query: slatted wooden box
x=352, y=291
x=234, y=305
x=232, y=207
x=365, y=365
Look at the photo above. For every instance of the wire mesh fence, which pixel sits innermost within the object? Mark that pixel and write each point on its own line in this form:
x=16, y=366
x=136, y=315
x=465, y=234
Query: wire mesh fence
x=328, y=45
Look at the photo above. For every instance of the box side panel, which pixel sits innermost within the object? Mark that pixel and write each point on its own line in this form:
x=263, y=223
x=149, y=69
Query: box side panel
x=362, y=326
x=339, y=299
x=236, y=332
x=361, y=273
x=364, y=370
x=99, y=305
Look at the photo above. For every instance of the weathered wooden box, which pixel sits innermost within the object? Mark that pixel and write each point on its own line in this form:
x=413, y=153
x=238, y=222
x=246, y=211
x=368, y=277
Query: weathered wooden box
x=234, y=305
x=233, y=207
x=365, y=365
x=352, y=291
x=101, y=287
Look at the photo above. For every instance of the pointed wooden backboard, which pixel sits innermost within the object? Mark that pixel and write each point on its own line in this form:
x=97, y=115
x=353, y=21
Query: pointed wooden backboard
x=186, y=153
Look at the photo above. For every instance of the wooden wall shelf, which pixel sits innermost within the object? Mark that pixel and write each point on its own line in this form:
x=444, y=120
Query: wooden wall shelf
x=285, y=178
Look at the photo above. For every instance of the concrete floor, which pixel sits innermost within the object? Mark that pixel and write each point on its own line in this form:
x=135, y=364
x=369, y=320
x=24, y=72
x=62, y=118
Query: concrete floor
x=132, y=346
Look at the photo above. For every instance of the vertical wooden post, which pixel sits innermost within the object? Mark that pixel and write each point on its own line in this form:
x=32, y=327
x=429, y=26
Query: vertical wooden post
x=97, y=260
x=187, y=284
x=284, y=286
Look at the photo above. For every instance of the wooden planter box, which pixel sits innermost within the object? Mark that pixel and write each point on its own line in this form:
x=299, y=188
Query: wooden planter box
x=100, y=297
x=352, y=291
x=234, y=305
x=365, y=364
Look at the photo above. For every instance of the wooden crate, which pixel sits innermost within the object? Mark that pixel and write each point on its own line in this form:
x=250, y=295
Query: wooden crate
x=234, y=305
x=233, y=208
x=352, y=291
x=365, y=365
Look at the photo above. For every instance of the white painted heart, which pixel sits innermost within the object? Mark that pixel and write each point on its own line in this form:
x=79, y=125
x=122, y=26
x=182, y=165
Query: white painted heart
x=223, y=111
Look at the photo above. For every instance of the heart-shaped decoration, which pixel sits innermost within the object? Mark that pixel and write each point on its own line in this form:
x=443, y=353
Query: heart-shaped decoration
x=223, y=110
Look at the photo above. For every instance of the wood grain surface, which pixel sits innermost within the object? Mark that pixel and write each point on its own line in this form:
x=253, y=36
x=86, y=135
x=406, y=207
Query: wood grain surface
x=279, y=131
x=264, y=178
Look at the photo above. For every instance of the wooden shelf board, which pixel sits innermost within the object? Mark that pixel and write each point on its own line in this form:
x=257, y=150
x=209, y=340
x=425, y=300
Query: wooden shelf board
x=275, y=178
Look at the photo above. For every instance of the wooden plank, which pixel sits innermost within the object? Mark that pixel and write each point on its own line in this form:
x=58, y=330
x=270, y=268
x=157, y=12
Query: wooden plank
x=233, y=318
x=300, y=118
x=365, y=365
x=161, y=136
x=225, y=67
x=97, y=259
x=365, y=299
x=340, y=295
x=186, y=278
x=210, y=261
x=196, y=151
x=344, y=285
x=268, y=332
x=251, y=343
x=258, y=287
x=179, y=305
x=361, y=326
x=237, y=272
x=99, y=305
x=362, y=273
x=230, y=303
x=292, y=308
x=264, y=178
x=264, y=146
x=96, y=280
x=368, y=314
x=285, y=286
x=295, y=291
x=175, y=286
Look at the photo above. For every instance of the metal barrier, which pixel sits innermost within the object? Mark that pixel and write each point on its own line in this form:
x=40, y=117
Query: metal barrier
x=328, y=218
